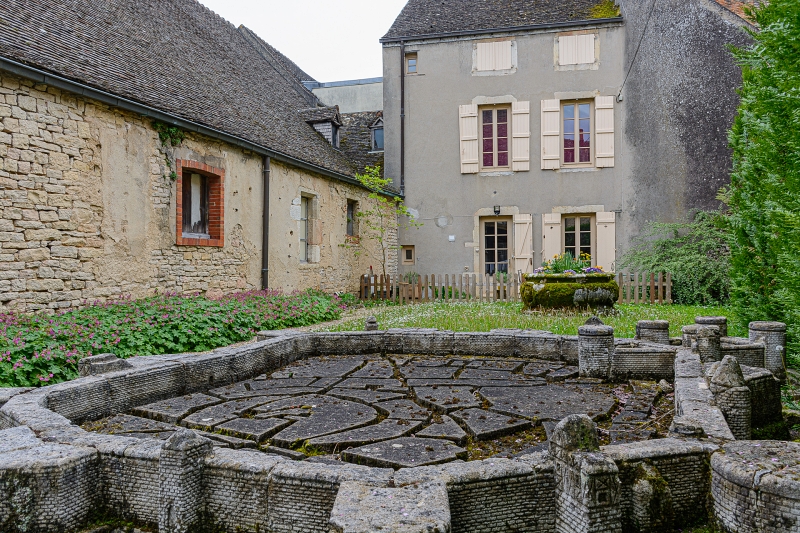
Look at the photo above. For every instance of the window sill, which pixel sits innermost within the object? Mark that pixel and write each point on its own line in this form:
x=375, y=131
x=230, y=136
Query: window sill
x=192, y=240
x=305, y=265
x=497, y=173
x=577, y=169
x=375, y=152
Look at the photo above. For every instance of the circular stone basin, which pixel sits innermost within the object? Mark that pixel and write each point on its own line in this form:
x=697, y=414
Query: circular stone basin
x=756, y=486
x=396, y=411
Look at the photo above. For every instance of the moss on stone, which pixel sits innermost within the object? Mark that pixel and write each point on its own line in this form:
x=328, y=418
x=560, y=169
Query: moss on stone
x=774, y=431
x=562, y=294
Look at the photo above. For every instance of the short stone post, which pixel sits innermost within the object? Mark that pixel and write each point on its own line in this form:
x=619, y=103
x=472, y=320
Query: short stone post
x=689, y=335
x=773, y=335
x=708, y=345
x=180, y=470
x=731, y=395
x=653, y=331
x=371, y=324
x=720, y=321
x=588, y=481
x=595, y=351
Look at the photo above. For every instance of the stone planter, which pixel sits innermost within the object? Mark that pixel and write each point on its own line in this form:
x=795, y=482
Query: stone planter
x=564, y=290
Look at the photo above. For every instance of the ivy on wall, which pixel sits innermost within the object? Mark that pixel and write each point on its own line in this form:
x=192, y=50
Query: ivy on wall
x=170, y=137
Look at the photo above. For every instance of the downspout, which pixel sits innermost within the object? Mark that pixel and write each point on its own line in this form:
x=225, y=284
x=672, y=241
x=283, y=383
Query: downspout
x=402, y=117
x=265, y=228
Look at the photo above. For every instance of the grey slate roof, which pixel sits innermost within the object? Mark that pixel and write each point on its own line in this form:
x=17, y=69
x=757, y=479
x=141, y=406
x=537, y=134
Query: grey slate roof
x=355, y=139
x=430, y=17
x=312, y=115
x=176, y=56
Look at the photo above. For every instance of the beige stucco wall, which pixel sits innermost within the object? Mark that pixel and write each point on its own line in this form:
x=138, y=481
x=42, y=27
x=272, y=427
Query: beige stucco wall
x=87, y=209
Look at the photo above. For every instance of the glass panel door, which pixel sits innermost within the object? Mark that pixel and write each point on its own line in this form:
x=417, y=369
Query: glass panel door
x=495, y=245
x=578, y=236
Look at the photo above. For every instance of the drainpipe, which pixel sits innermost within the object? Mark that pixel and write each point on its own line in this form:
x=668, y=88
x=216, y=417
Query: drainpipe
x=265, y=228
x=402, y=117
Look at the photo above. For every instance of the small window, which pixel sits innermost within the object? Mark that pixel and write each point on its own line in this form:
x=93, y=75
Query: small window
x=303, y=227
x=577, y=136
x=377, y=139
x=495, y=135
x=335, y=135
x=579, y=236
x=576, y=49
x=407, y=255
x=195, y=207
x=411, y=63
x=351, y=218
x=199, y=210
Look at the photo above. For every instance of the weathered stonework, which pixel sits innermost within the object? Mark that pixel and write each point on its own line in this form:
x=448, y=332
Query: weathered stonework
x=88, y=210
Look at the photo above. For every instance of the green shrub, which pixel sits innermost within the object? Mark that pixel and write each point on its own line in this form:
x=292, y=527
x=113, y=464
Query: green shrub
x=696, y=253
x=40, y=349
x=764, y=194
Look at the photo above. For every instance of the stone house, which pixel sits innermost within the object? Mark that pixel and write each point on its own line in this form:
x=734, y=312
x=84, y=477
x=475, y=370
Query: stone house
x=152, y=146
x=520, y=130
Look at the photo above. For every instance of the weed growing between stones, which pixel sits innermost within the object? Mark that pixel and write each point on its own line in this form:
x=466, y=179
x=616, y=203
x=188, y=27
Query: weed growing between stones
x=38, y=350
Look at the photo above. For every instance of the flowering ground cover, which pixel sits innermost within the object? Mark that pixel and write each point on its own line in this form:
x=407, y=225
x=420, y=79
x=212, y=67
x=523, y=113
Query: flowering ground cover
x=44, y=349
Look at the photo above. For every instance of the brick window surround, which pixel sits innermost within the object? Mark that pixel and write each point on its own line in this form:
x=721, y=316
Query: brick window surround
x=216, y=203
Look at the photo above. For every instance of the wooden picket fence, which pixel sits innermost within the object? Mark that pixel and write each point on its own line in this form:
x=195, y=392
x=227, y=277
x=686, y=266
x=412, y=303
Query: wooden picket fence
x=644, y=287
x=634, y=288
x=441, y=288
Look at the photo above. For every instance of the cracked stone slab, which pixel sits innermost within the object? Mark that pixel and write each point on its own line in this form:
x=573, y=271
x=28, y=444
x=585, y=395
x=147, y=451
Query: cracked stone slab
x=320, y=368
x=405, y=452
x=630, y=417
x=431, y=362
x=446, y=429
x=550, y=402
x=126, y=424
x=291, y=454
x=446, y=399
x=620, y=433
x=438, y=372
x=567, y=372
x=405, y=409
x=366, y=396
x=257, y=429
x=249, y=388
x=496, y=364
x=361, y=508
x=485, y=425
x=174, y=409
x=484, y=374
x=540, y=368
x=327, y=415
x=384, y=430
x=209, y=417
x=226, y=441
x=375, y=369
x=369, y=383
x=326, y=383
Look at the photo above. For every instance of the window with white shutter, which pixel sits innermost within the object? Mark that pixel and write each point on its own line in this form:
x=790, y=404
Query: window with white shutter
x=576, y=49
x=521, y=136
x=523, y=243
x=468, y=132
x=604, y=131
x=551, y=235
x=551, y=134
x=606, y=241
x=494, y=56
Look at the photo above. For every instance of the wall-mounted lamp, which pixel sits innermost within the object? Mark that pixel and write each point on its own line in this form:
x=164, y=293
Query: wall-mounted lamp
x=497, y=210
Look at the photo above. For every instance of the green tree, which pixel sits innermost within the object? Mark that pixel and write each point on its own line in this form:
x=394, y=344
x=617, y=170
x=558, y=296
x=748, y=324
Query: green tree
x=764, y=194
x=696, y=253
x=379, y=220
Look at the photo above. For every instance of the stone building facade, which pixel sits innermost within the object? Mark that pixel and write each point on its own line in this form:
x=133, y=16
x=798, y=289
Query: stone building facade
x=90, y=196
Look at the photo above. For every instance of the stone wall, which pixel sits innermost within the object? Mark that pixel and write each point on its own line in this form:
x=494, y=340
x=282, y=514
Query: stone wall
x=87, y=209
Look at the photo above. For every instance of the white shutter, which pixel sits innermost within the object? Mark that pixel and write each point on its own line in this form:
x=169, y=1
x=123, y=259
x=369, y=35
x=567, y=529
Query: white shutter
x=585, y=48
x=567, y=49
x=468, y=131
x=606, y=241
x=523, y=243
x=551, y=235
x=494, y=56
x=521, y=136
x=604, y=131
x=551, y=134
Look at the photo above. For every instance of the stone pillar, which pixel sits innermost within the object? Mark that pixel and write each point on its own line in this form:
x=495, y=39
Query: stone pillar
x=595, y=351
x=653, y=331
x=731, y=395
x=689, y=335
x=720, y=321
x=708, y=345
x=588, y=483
x=371, y=324
x=651, y=501
x=180, y=470
x=773, y=335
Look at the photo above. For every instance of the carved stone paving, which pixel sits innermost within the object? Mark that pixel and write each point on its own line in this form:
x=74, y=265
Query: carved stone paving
x=391, y=411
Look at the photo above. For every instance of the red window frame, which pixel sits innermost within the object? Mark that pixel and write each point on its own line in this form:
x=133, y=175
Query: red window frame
x=216, y=204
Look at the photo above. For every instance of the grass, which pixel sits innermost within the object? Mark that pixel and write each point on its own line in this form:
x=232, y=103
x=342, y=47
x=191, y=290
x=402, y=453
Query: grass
x=488, y=316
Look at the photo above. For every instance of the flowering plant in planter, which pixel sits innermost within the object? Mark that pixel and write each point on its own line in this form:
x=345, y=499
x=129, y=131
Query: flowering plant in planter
x=566, y=282
x=566, y=264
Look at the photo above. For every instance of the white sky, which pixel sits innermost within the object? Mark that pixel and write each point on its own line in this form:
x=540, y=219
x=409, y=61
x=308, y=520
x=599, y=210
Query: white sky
x=331, y=40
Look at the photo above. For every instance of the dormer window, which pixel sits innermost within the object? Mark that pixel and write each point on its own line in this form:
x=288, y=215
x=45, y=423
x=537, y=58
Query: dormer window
x=377, y=135
x=334, y=135
x=326, y=120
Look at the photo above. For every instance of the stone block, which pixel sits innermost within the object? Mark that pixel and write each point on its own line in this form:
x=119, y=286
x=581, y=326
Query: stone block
x=42, y=235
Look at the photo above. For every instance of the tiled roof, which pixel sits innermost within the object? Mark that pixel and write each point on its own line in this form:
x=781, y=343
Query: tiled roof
x=313, y=115
x=430, y=17
x=176, y=56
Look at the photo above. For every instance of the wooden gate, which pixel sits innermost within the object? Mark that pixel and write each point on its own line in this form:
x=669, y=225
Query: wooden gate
x=645, y=287
x=441, y=288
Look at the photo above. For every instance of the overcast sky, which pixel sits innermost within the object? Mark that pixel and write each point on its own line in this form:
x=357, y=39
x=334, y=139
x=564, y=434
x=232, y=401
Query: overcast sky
x=330, y=39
